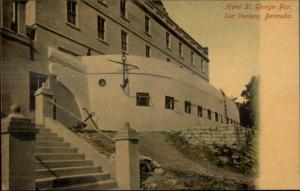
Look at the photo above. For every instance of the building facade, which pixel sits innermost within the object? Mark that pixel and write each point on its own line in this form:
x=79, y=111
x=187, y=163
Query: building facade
x=79, y=29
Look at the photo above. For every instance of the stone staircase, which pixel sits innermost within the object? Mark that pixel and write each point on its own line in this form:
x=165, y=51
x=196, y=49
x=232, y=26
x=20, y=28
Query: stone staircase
x=61, y=167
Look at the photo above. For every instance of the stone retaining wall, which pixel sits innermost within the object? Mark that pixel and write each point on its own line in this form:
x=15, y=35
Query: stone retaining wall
x=229, y=135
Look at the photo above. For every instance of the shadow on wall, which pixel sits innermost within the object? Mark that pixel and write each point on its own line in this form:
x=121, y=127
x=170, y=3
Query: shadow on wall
x=65, y=98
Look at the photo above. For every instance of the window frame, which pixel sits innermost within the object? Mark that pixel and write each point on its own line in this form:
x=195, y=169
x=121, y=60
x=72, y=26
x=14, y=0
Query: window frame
x=143, y=95
x=101, y=34
x=209, y=114
x=124, y=44
x=180, y=49
x=200, y=111
x=168, y=40
x=148, y=51
x=187, y=107
x=147, y=24
x=123, y=9
x=71, y=14
x=172, y=102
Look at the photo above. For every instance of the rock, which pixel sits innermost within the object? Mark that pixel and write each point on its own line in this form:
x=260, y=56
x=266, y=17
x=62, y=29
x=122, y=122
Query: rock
x=171, y=181
x=151, y=186
x=158, y=171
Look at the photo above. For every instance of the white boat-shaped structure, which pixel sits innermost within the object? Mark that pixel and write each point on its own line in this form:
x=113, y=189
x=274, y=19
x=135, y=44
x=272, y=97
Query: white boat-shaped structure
x=153, y=95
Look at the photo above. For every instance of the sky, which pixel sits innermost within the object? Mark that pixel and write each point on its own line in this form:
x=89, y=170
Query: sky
x=233, y=44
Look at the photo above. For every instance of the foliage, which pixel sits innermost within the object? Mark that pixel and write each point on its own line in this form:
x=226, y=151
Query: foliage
x=249, y=109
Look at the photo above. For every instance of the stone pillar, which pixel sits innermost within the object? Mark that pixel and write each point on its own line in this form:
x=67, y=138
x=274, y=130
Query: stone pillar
x=43, y=107
x=17, y=152
x=127, y=158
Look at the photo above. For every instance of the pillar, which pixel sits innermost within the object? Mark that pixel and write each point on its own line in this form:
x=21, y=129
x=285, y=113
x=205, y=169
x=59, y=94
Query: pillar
x=17, y=152
x=127, y=158
x=43, y=106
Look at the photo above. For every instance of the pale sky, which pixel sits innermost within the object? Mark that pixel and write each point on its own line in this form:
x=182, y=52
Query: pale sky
x=233, y=44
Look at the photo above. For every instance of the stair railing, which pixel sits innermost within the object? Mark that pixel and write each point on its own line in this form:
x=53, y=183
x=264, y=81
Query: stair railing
x=79, y=119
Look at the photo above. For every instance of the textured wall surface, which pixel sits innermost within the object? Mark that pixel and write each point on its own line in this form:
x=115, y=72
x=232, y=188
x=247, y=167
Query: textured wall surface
x=229, y=135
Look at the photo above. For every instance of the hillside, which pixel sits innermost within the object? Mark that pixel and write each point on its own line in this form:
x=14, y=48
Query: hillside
x=185, y=172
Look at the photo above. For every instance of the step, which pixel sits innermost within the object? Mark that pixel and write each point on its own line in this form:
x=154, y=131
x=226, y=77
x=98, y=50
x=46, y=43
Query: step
x=100, y=185
x=44, y=130
x=49, y=139
x=50, y=183
x=52, y=144
x=59, y=156
x=62, y=163
x=55, y=150
x=46, y=134
x=67, y=171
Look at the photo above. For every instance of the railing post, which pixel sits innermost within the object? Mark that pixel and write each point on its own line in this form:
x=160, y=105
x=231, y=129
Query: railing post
x=43, y=108
x=17, y=152
x=127, y=158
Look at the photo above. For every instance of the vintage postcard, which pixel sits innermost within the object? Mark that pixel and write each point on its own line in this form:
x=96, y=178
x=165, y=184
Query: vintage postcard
x=150, y=94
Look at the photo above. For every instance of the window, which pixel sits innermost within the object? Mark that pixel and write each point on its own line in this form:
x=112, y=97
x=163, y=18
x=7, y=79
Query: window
x=101, y=28
x=123, y=11
x=221, y=117
x=169, y=102
x=71, y=11
x=180, y=49
x=199, y=111
x=147, y=24
x=216, y=116
x=168, y=40
x=209, y=114
x=227, y=120
x=142, y=99
x=187, y=107
x=35, y=82
x=148, y=51
x=10, y=15
x=124, y=44
x=192, y=58
x=202, y=66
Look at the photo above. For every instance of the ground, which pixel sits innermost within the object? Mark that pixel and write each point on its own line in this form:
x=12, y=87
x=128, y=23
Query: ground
x=182, y=172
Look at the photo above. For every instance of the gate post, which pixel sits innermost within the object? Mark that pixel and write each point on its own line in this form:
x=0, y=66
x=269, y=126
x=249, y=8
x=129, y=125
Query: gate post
x=43, y=107
x=17, y=152
x=127, y=158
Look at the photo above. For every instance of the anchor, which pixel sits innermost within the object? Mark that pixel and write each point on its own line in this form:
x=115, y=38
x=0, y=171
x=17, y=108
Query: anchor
x=125, y=70
x=90, y=116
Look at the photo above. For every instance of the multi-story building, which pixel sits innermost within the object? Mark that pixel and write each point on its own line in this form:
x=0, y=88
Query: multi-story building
x=101, y=27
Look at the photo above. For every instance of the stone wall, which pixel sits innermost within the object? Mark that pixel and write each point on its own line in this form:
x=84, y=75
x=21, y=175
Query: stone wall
x=229, y=135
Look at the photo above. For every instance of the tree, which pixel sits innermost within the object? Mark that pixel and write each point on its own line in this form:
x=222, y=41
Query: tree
x=249, y=109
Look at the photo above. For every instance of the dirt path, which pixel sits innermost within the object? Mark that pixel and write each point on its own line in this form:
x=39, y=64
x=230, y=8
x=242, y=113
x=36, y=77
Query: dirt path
x=156, y=146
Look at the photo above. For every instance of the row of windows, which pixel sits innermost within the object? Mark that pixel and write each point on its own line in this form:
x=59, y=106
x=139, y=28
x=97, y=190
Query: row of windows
x=143, y=99
x=71, y=18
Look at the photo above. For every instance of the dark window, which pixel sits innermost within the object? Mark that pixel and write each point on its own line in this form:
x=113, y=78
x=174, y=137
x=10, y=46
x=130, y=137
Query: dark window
x=71, y=11
x=123, y=8
x=227, y=120
x=180, y=49
x=148, y=51
x=216, y=116
x=187, y=107
x=35, y=80
x=231, y=121
x=168, y=60
x=10, y=15
x=124, y=41
x=147, y=24
x=192, y=58
x=209, y=114
x=142, y=99
x=199, y=111
x=168, y=42
x=169, y=102
x=101, y=28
